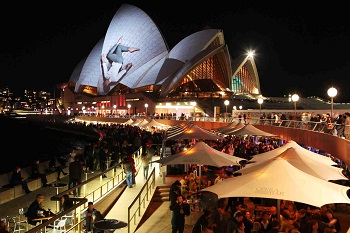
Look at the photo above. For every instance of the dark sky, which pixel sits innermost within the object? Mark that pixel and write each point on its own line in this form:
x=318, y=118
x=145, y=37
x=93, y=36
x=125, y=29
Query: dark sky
x=299, y=49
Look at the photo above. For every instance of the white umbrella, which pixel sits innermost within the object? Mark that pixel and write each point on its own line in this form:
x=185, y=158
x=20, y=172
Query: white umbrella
x=278, y=179
x=128, y=122
x=137, y=122
x=154, y=123
x=295, y=156
x=249, y=130
x=193, y=131
x=178, y=128
x=201, y=154
x=231, y=127
x=300, y=150
x=274, y=153
x=143, y=123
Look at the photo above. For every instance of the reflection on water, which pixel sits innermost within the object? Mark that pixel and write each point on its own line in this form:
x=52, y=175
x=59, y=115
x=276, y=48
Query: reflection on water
x=25, y=141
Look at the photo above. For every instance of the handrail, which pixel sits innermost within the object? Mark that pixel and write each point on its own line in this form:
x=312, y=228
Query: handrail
x=148, y=187
x=321, y=126
x=42, y=226
x=97, y=176
x=80, y=206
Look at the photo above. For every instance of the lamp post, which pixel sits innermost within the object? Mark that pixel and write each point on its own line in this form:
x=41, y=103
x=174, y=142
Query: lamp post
x=146, y=106
x=226, y=102
x=295, y=99
x=332, y=92
x=103, y=110
x=260, y=101
x=129, y=106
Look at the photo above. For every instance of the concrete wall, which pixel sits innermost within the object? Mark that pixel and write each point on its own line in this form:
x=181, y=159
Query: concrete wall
x=8, y=194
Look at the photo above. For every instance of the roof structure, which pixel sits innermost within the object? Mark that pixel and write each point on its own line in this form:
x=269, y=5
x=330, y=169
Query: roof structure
x=199, y=63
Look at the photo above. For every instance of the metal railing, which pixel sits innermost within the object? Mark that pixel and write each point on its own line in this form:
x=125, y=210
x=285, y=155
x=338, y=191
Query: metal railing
x=95, y=196
x=141, y=201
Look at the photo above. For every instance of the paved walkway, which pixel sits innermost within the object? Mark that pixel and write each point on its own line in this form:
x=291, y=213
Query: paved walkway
x=159, y=221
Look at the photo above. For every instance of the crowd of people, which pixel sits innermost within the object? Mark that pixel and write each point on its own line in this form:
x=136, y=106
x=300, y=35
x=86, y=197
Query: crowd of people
x=232, y=215
x=188, y=187
x=120, y=141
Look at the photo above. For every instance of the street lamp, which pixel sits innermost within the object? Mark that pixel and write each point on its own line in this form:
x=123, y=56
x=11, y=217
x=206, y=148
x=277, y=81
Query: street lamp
x=260, y=101
x=226, y=102
x=332, y=92
x=146, y=106
x=115, y=109
x=295, y=99
x=129, y=106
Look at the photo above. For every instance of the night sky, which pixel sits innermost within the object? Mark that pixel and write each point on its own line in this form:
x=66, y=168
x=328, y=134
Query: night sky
x=299, y=49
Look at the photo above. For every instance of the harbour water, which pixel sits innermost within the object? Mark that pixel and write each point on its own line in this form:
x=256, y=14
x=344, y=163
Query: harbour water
x=24, y=141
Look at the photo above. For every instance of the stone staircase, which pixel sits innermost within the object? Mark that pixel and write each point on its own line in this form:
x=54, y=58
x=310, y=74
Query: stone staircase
x=161, y=193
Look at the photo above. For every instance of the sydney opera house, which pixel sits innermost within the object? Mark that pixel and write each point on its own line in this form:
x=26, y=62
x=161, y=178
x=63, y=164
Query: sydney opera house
x=131, y=70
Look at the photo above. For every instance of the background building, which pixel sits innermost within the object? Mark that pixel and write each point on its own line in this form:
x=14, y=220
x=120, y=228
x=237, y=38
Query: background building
x=195, y=77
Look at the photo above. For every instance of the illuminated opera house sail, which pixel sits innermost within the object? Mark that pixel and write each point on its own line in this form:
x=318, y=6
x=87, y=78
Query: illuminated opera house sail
x=133, y=57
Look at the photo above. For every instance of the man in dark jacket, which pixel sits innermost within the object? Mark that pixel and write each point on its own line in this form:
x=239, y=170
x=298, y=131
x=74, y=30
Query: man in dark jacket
x=76, y=170
x=36, y=210
x=180, y=209
x=175, y=191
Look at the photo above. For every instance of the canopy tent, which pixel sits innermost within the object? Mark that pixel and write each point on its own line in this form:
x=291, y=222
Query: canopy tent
x=128, y=122
x=300, y=150
x=202, y=154
x=278, y=179
x=250, y=130
x=178, y=128
x=142, y=123
x=137, y=122
x=302, y=162
x=230, y=127
x=156, y=124
x=193, y=131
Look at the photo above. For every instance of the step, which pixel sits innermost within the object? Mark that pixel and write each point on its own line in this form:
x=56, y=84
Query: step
x=160, y=199
x=161, y=194
x=163, y=187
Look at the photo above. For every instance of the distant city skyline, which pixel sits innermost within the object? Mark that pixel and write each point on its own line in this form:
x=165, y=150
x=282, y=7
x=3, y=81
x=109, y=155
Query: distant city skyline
x=22, y=93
